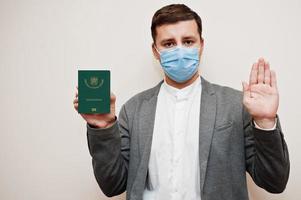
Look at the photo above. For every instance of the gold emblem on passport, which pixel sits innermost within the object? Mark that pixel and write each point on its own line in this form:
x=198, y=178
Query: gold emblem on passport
x=94, y=82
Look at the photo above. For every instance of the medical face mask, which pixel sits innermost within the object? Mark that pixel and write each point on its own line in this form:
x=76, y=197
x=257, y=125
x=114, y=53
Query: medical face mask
x=180, y=63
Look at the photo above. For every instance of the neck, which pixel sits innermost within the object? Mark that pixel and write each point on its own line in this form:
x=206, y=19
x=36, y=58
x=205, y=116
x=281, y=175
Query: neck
x=181, y=85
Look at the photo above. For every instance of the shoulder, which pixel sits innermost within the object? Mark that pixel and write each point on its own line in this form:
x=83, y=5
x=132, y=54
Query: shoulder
x=227, y=93
x=229, y=104
x=142, y=96
x=221, y=91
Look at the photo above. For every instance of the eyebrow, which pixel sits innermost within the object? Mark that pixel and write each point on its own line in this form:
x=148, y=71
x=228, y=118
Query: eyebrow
x=189, y=37
x=172, y=39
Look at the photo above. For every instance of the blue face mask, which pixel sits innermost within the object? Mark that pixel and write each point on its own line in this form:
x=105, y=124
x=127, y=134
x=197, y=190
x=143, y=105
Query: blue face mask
x=181, y=63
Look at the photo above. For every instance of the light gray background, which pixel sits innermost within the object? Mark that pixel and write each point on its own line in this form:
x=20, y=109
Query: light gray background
x=43, y=147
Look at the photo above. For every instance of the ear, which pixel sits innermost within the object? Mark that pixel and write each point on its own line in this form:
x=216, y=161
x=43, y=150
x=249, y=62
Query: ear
x=155, y=52
x=202, y=47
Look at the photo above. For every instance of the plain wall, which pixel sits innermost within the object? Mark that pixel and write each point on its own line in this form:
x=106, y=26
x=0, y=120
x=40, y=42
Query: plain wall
x=43, y=144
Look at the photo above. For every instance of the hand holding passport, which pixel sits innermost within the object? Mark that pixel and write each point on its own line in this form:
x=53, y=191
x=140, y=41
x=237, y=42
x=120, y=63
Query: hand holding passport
x=93, y=99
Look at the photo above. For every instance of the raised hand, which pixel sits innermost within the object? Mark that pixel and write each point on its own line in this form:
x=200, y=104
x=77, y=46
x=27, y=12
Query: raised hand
x=260, y=96
x=98, y=120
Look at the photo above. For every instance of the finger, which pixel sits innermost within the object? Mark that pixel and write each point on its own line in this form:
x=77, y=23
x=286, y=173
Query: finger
x=273, y=79
x=261, y=70
x=246, y=93
x=253, y=74
x=267, y=74
x=246, y=88
x=113, y=97
x=75, y=100
x=76, y=106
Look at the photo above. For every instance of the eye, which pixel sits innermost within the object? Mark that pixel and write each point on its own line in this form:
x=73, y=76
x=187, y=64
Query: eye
x=168, y=44
x=188, y=42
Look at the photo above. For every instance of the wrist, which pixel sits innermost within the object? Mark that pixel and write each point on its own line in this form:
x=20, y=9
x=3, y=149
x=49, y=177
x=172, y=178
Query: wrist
x=104, y=124
x=265, y=123
x=111, y=122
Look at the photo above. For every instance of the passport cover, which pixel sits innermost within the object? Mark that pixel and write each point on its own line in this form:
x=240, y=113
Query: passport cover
x=94, y=91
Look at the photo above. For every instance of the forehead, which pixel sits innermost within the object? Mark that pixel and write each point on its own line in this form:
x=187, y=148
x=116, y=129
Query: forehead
x=177, y=30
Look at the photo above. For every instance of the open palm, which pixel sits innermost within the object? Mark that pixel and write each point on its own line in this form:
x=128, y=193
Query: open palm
x=261, y=96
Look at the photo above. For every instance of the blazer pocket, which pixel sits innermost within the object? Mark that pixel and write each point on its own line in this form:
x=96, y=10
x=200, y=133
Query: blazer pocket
x=223, y=126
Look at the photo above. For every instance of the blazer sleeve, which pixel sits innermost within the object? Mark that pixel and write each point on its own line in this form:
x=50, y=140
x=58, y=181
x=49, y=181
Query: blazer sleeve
x=267, y=158
x=109, y=148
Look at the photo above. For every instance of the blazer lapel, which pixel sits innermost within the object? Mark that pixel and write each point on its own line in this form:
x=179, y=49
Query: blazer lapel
x=207, y=121
x=146, y=126
x=147, y=120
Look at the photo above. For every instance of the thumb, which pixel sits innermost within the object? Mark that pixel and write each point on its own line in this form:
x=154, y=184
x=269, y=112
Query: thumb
x=245, y=86
x=246, y=90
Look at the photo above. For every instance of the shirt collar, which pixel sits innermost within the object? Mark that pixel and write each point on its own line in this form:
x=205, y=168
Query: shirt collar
x=184, y=93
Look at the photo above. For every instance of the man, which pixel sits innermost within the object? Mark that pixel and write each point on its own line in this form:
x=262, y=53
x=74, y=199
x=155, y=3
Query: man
x=186, y=138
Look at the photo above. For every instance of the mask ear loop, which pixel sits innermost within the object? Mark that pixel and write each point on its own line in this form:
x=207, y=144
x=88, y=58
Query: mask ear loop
x=157, y=49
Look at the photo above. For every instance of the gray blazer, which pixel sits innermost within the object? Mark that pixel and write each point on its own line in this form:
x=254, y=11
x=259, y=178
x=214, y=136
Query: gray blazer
x=229, y=145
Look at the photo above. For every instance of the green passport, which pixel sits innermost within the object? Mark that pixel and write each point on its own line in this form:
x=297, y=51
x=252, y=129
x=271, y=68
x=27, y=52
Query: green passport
x=94, y=91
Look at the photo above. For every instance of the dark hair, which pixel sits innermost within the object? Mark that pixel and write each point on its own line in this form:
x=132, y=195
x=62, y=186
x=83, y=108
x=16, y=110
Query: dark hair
x=174, y=13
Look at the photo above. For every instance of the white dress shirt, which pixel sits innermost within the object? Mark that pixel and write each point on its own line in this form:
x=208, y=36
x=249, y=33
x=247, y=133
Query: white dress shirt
x=174, y=160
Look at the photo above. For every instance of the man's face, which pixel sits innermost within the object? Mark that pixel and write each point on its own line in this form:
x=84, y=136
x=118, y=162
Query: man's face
x=183, y=33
